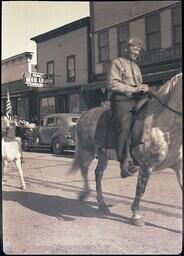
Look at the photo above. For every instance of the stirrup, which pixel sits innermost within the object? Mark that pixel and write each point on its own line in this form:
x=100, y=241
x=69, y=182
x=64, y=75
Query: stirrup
x=128, y=169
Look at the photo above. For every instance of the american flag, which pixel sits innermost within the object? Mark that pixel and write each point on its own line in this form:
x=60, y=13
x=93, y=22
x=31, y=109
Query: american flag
x=8, y=106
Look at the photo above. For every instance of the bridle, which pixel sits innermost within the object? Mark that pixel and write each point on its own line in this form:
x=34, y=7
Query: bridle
x=152, y=95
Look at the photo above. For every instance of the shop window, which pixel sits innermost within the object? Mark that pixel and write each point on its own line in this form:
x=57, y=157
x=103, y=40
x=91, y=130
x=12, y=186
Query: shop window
x=23, y=108
x=62, y=104
x=123, y=34
x=176, y=25
x=153, y=32
x=50, y=69
x=47, y=106
x=74, y=103
x=71, y=68
x=103, y=42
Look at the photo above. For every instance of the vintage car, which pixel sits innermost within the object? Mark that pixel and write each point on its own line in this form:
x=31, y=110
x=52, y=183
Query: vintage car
x=56, y=133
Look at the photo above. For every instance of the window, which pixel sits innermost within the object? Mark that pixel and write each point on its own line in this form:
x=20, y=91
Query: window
x=59, y=121
x=123, y=34
x=47, y=106
x=74, y=103
x=103, y=43
x=153, y=32
x=23, y=107
x=71, y=68
x=176, y=22
x=50, y=69
x=62, y=104
x=50, y=121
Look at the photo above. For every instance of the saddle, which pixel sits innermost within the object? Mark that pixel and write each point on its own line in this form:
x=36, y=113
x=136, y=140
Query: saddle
x=105, y=135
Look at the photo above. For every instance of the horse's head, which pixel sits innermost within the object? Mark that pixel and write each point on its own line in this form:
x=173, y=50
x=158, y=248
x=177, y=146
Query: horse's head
x=169, y=96
x=173, y=88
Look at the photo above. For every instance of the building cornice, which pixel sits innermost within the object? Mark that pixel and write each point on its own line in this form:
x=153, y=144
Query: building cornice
x=18, y=56
x=62, y=30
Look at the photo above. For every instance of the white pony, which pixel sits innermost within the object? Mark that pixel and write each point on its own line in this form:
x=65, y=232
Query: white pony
x=11, y=148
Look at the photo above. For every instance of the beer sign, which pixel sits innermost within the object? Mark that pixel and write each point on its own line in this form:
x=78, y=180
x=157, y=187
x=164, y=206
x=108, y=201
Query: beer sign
x=34, y=79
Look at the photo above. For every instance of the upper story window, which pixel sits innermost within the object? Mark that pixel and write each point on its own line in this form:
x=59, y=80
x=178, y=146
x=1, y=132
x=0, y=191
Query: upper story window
x=71, y=68
x=153, y=32
x=123, y=34
x=103, y=44
x=50, y=68
x=176, y=25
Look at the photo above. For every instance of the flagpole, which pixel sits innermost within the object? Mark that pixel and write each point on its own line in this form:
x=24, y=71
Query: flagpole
x=8, y=106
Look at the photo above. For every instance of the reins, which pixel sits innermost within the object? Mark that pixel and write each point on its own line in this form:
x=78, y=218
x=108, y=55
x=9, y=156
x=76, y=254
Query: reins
x=150, y=93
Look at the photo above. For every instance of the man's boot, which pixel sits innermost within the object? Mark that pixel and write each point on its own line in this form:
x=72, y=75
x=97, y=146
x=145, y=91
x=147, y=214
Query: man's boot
x=128, y=168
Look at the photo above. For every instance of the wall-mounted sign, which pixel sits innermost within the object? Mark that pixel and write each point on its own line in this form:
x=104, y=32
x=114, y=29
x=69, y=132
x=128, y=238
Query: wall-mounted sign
x=160, y=55
x=34, y=79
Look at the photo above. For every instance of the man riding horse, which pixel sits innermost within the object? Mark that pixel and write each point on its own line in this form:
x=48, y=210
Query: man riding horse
x=124, y=81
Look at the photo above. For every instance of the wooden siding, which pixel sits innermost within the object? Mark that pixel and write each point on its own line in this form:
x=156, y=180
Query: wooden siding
x=114, y=12
x=113, y=40
x=137, y=29
x=57, y=49
x=12, y=71
x=166, y=29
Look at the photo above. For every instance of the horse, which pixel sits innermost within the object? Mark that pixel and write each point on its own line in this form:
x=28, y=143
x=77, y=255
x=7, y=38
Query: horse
x=11, y=148
x=161, y=148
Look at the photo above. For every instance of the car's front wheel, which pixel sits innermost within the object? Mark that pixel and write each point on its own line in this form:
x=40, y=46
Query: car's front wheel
x=56, y=146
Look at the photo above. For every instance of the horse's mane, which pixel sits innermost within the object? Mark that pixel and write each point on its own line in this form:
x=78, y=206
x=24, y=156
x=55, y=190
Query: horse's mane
x=164, y=94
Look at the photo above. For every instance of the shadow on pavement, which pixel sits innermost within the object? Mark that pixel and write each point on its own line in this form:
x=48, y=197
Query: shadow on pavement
x=66, y=208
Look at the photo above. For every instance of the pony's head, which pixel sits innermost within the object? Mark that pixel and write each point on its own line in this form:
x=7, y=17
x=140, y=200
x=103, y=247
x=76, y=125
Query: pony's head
x=5, y=122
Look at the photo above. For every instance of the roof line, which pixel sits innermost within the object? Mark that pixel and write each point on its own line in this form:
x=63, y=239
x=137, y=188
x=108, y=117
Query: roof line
x=62, y=30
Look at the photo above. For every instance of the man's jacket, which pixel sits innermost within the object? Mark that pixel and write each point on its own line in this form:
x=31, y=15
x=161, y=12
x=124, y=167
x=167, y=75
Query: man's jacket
x=123, y=76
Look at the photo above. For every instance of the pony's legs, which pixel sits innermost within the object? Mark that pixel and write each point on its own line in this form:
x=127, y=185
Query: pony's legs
x=101, y=166
x=85, y=161
x=177, y=167
x=4, y=167
x=18, y=165
x=142, y=181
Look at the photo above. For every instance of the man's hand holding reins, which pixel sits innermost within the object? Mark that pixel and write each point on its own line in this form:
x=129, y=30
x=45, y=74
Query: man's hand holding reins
x=142, y=88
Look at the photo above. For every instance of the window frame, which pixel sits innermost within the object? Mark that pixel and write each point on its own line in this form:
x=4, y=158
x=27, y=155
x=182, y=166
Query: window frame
x=73, y=78
x=153, y=33
x=174, y=43
x=119, y=42
x=47, y=68
x=103, y=47
x=48, y=106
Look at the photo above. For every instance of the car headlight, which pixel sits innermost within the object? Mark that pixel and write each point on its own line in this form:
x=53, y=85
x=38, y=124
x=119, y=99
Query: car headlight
x=68, y=136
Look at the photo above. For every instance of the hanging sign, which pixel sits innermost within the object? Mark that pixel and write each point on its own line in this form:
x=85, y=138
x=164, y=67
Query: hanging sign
x=34, y=79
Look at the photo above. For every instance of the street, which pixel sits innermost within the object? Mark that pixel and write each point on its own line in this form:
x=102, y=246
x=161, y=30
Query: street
x=48, y=218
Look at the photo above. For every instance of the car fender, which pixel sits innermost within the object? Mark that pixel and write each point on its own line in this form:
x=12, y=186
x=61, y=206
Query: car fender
x=61, y=136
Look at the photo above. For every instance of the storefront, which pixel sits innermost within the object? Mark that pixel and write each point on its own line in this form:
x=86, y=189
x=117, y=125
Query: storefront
x=22, y=99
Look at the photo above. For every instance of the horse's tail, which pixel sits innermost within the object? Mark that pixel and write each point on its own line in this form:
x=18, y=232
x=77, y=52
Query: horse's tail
x=75, y=164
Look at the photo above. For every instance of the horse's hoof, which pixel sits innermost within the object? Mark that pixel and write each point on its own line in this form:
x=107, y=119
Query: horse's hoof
x=23, y=187
x=104, y=208
x=137, y=222
x=83, y=195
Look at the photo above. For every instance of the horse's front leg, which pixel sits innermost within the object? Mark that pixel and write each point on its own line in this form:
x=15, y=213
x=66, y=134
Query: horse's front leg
x=19, y=167
x=177, y=167
x=101, y=166
x=142, y=181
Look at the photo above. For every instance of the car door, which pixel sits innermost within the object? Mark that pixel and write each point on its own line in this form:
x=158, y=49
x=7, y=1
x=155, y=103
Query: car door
x=47, y=130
